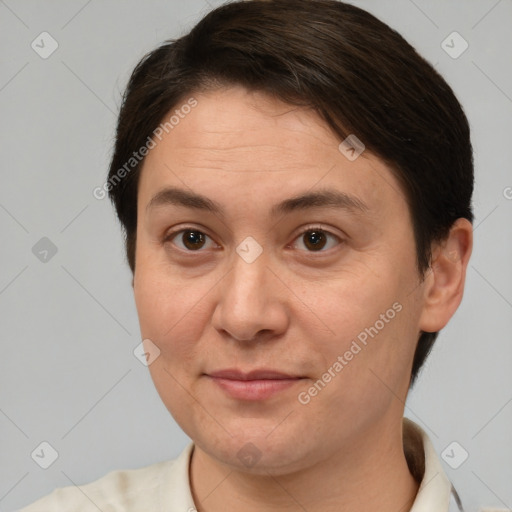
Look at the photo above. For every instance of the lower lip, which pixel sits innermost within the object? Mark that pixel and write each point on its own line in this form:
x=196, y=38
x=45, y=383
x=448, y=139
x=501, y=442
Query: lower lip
x=254, y=389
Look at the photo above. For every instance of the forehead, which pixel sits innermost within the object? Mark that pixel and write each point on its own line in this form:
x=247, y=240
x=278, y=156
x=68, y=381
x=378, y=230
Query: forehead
x=235, y=145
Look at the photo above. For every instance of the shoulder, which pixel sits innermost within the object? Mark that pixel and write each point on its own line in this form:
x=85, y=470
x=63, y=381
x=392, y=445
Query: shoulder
x=120, y=490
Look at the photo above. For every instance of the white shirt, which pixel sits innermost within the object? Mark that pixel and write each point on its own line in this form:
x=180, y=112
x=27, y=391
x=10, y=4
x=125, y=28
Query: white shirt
x=165, y=486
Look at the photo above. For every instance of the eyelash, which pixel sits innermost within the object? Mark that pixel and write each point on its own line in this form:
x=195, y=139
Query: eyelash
x=174, y=234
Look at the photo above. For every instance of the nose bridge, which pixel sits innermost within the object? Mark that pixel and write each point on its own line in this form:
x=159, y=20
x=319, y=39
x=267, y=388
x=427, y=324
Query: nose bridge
x=247, y=287
x=248, y=301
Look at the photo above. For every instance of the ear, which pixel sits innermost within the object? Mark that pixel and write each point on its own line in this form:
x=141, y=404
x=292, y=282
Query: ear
x=444, y=282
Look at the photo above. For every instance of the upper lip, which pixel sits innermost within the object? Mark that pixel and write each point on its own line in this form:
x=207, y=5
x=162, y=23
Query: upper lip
x=258, y=374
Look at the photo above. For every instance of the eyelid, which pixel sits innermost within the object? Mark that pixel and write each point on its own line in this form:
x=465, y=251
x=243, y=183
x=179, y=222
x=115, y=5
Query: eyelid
x=184, y=227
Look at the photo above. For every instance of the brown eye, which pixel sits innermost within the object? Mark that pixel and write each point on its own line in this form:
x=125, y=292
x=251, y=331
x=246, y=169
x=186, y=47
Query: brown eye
x=191, y=240
x=317, y=240
x=314, y=240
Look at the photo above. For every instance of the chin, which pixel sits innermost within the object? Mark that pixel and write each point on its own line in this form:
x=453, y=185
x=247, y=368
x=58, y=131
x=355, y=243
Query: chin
x=258, y=452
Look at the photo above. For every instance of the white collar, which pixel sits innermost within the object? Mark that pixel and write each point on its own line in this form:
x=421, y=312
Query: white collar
x=435, y=488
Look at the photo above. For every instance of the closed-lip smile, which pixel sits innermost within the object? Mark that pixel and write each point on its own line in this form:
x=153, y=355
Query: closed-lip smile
x=258, y=374
x=258, y=384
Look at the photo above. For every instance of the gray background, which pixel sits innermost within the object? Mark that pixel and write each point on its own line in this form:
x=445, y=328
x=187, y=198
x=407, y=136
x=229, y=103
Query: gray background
x=68, y=375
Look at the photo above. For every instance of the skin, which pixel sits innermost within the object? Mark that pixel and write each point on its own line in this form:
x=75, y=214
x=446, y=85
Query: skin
x=293, y=309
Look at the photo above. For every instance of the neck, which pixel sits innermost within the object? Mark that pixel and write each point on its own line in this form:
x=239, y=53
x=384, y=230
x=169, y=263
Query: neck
x=372, y=473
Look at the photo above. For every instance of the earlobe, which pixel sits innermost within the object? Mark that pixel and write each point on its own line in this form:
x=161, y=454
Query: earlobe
x=444, y=286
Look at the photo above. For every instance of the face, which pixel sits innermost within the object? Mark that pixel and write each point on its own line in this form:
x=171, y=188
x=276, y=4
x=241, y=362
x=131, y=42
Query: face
x=254, y=276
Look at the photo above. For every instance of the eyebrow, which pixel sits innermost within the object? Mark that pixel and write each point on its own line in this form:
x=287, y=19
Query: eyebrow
x=324, y=198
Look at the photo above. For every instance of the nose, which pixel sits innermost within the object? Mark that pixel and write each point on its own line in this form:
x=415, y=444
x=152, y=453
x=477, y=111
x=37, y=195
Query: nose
x=251, y=302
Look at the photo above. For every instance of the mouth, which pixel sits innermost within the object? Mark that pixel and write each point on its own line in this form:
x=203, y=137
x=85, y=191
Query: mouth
x=257, y=384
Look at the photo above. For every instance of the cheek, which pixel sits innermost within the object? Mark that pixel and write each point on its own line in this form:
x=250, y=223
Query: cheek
x=364, y=367
x=366, y=334
x=173, y=313
x=348, y=304
x=173, y=319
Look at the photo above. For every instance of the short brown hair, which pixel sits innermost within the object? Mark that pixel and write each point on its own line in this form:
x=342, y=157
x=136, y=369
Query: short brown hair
x=356, y=72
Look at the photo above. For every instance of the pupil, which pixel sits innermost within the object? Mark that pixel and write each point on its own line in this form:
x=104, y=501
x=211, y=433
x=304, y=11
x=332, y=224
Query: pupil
x=315, y=240
x=193, y=239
